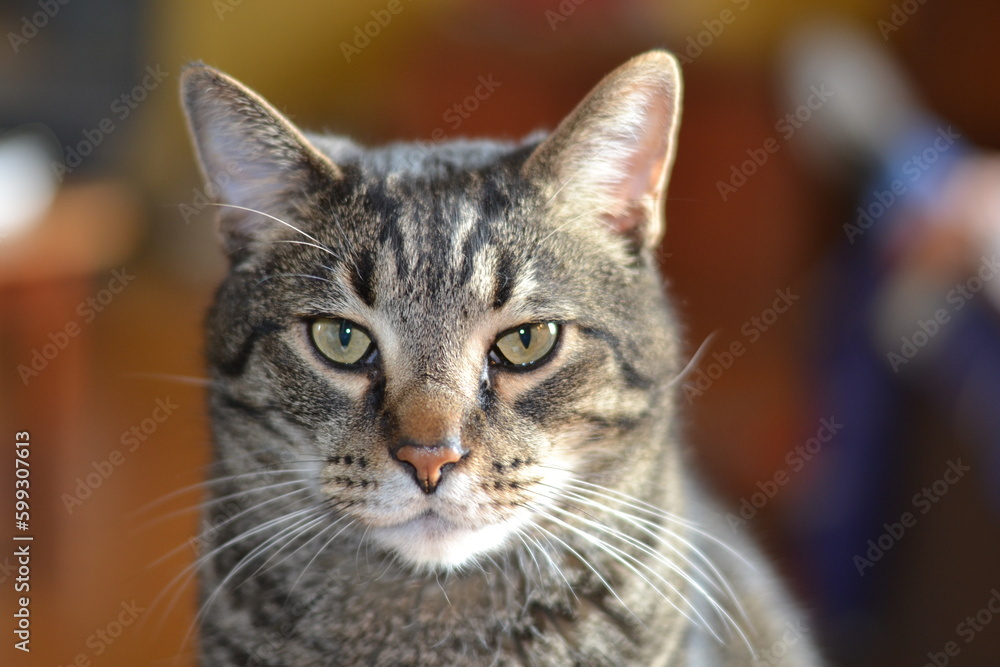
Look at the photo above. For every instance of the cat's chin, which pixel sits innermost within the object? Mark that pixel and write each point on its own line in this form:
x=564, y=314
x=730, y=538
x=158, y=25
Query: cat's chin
x=431, y=542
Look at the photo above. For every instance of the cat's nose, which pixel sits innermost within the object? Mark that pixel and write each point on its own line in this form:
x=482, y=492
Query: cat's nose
x=428, y=461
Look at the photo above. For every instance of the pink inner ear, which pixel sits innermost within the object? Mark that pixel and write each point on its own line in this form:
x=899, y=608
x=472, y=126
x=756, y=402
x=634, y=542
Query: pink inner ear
x=629, y=222
x=641, y=178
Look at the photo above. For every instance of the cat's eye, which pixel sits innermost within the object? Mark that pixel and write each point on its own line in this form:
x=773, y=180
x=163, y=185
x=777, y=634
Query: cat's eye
x=341, y=341
x=526, y=344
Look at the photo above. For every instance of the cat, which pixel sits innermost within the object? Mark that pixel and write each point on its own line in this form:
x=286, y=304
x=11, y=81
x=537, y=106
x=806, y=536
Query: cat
x=442, y=389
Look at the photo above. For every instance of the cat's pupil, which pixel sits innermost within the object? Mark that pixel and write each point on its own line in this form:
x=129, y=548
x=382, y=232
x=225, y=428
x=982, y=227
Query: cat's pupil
x=525, y=335
x=345, y=333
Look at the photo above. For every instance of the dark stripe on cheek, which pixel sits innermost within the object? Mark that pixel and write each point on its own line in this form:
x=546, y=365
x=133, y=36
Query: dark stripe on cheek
x=557, y=396
x=633, y=378
x=236, y=365
x=614, y=423
x=260, y=415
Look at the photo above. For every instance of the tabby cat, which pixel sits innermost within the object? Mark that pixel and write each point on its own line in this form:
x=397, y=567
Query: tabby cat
x=442, y=393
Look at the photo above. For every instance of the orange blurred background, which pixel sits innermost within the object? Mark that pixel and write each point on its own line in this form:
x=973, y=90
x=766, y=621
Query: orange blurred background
x=126, y=257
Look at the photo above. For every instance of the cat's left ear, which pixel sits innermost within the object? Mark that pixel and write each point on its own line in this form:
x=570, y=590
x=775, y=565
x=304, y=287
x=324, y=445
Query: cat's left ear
x=611, y=157
x=254, y=157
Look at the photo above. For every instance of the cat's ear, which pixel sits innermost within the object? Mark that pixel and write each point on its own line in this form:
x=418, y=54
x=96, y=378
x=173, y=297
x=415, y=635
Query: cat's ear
x=251, y=155
x=611, y=157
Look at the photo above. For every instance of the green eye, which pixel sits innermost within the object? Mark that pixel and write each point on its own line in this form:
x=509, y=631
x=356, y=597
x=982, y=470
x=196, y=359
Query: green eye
x=527, y=344
x=341, y=341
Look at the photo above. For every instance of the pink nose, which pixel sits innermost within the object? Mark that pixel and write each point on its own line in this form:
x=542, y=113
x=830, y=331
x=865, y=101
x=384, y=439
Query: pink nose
x=428, y=461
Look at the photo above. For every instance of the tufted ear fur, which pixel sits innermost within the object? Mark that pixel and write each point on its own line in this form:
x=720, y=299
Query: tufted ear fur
x=253, y=157
x=611, y=157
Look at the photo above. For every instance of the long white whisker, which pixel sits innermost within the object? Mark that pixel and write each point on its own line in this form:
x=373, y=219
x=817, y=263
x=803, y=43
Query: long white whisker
x=652, y=510
x=586, y=562
x=219, y=500
x=319, y=551
x=621, y=556
x=243, y=562
x=168, y=377
x=717, y=608
x=287, y=224
x=651, y=527
x=695, y=359
x=188, y=573
x=226, y=522
x=552, y=563
x=294, y=275
x=205, y=484
x=643, y=506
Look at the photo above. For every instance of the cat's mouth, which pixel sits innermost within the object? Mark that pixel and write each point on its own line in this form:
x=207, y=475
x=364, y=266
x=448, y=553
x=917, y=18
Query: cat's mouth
x=432, y=541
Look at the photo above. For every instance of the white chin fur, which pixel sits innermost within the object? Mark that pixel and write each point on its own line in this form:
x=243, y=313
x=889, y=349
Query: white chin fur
x=432, y=543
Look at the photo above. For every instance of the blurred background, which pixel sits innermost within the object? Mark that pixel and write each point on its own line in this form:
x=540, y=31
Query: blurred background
x=833, y=228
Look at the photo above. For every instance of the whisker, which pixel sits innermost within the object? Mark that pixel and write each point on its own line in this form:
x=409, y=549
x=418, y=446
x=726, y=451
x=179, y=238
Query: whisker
x=288, y=540
x=643, y=506
x=168, y=377
x=561, y=227
x=287, y=224
x=552, y=563
x=212, y=502
x=187, y=574
x=319, y=551
x=690, y=525
x=246, y=560
x=294, y=275
x=205, y=485
x=716, y=607
x=621, y=557
x=695, y=358
x=225, y=523
x=587, y=563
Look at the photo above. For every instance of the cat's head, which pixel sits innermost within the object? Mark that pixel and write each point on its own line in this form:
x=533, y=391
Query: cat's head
x=447, y=336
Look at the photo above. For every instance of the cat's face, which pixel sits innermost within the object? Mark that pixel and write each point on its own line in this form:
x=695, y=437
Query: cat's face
x=443, y=338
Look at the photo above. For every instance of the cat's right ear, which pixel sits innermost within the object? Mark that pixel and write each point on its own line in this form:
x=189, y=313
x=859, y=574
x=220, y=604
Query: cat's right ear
x=610, y=159
x=253, y=157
